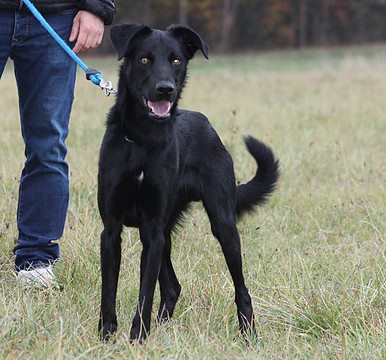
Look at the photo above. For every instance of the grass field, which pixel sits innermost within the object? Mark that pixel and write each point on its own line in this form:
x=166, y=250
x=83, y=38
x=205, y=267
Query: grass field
x=314, y=256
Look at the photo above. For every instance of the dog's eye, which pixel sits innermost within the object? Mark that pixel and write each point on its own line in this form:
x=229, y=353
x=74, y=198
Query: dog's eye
x=176, y=61
x=144, y=61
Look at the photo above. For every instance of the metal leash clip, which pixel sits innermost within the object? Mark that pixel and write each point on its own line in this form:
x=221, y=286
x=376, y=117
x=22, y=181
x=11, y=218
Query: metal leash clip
x=96, y=77
x=107, y=87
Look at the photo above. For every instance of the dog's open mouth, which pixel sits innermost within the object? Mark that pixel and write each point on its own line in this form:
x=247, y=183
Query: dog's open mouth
x=159, y=109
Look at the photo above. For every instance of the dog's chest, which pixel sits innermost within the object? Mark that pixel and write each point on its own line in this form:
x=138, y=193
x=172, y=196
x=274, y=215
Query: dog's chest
x=140, y=177
x=134, y=165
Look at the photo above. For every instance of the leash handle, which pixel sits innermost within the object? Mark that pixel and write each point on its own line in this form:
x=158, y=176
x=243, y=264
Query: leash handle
x=91, y=74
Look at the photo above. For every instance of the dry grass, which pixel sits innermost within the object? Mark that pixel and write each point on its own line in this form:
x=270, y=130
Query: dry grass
x=314, y=257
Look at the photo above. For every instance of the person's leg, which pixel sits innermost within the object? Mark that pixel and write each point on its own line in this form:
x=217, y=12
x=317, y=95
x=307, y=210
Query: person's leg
x=45, y=77
x=6, y=30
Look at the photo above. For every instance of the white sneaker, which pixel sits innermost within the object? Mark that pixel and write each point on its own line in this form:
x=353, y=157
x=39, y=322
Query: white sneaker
x=40, y=278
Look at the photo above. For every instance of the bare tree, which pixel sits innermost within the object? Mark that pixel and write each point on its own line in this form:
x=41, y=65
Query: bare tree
x=183, y=12
x=360, y=10
x=228, y=14
x=147, y=12
x=302, y=22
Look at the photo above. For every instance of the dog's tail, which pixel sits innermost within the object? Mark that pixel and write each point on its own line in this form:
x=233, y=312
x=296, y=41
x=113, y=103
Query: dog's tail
x=256, y=191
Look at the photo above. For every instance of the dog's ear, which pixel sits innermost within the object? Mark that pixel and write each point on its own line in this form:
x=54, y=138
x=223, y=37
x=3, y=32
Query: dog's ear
x=122, y=35
x=190, y=39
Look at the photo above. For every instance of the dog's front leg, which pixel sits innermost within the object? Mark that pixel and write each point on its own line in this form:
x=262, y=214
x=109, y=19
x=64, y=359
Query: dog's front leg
x=153, y=246
x=110, y=264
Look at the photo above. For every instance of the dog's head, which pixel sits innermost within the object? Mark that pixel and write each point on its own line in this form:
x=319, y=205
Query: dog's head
x=155, y=64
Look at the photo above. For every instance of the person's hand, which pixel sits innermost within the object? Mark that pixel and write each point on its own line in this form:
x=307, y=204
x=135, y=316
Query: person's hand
x=87, y=30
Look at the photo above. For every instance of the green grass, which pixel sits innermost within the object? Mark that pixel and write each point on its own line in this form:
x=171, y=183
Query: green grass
x=314, y=256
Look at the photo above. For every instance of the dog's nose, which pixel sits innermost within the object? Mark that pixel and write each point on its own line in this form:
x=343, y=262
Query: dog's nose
x=164, y=88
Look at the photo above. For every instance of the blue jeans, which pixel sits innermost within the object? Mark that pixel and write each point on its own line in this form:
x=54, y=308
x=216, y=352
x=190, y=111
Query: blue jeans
x=45, y=77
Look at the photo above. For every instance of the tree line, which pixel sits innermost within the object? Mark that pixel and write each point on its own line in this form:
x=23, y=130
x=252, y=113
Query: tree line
x=232, y=25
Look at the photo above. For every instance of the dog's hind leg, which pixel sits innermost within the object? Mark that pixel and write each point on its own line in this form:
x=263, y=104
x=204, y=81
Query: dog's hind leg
x=153, y=242
x=223, y=223
x=170, y=288
x=110, y=264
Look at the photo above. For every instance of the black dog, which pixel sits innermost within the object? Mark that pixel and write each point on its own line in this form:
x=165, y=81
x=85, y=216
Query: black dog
x=154, y=161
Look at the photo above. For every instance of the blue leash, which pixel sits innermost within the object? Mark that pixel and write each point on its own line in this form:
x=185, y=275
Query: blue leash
x=91, y=74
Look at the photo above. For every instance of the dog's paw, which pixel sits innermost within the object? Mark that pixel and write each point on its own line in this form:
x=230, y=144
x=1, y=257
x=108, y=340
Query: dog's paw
x=249, y=333
x=163, y=315
x=107, y=331
x=138, y=335
x=162, y=319
x=251, y=338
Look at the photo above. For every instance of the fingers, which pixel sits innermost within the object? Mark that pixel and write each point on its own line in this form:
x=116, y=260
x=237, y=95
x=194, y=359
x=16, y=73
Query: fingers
x=80, y=42
x=96, y=40
x=87, y=42
x=87, y=30
x=75, y=29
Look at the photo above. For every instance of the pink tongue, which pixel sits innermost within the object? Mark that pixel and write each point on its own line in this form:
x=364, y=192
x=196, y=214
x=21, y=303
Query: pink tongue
x=160, y=108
